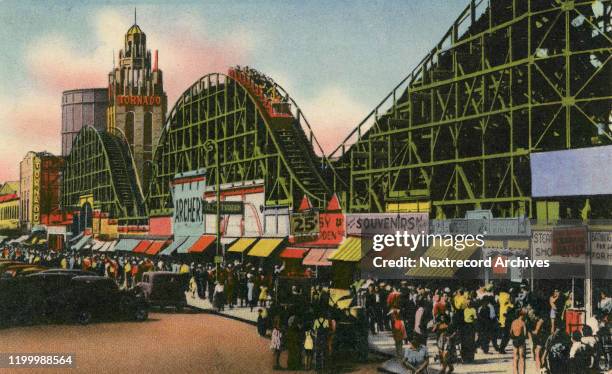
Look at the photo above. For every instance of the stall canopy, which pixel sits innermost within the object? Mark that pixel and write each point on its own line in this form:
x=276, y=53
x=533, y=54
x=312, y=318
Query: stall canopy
x=318, y=257
x=19, y=239
x=241, y=245
x=351, y=250
x=184, y=248
x=157, y=246
x=105, y=246
x=126, y=245
x=111, y=246
x=97, y=245
x=202, y=244
x=142, y=246
x=265, y=246
x=294, y=253
x=81, y=243
x=178, y=241
x=441, y=252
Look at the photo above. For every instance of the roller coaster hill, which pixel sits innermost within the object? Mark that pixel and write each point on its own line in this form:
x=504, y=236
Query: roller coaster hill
x=510, y=78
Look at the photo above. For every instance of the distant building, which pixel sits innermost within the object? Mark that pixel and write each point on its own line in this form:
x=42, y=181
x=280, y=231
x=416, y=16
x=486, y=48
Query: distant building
x=39, y=182
x=137, y=101
x=81, y=108
x=9, y=206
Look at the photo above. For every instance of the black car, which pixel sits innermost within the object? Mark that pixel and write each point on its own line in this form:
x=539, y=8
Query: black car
x=164, y=288
x=95, y=297
x=32, y=298
x=72, y=272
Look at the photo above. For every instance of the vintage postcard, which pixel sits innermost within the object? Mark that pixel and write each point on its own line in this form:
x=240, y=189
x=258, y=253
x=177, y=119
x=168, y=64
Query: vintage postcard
x=399, y=186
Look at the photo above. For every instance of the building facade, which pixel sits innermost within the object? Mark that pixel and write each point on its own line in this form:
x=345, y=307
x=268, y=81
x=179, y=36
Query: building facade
x=39, y=182
x=137, y=101
x=81, y=108
x=9, y=206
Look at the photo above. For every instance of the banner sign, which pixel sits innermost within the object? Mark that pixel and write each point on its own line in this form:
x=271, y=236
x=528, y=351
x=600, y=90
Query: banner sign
x=488, y=227
x=386, y=223
x=36, y=192
x=138, y=100
x=227, y=207
x=332, y=228
x=569, y=241
x=188, y=217
x=601, y=249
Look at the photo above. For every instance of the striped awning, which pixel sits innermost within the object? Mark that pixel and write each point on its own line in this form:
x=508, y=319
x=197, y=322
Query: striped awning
x=19, y=239
x=265, y=246
x=105, y=246
x=318, y=257
x=157, y=246
x=81, y=243
x=202, y=244
x=142, y=246
x=126, y=245
x=241, y=245
x=440, y=253
x=97, y=245
x=292, y=252
x=177, y=242
x=184, y=247
x=352, y=249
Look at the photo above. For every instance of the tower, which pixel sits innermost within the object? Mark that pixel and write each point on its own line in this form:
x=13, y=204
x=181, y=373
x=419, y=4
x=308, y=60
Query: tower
x=137, y=101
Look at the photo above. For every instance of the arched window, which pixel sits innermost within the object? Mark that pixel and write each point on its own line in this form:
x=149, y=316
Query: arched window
x=129, y=128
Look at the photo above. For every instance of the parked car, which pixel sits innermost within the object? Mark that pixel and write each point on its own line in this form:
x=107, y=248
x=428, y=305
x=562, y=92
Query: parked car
x=73, y=272
x=31, y=298
x=20, y=269
x=94, y=297
x=164, y=288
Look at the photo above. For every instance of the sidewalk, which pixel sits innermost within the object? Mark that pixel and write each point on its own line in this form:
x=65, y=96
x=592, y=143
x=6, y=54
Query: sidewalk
x=382, y=343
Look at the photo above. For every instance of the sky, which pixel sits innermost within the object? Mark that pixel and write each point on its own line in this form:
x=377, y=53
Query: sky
x=337, y=59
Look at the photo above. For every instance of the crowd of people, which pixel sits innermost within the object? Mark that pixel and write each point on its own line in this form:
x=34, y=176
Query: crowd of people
x=461, y=320
x=464, y=320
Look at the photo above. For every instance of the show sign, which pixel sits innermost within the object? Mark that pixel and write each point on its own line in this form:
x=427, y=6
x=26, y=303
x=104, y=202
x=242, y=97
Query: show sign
x=364, y=224
x=569, y=241
x=601, y=249
x=188, y=217
x=138, y=100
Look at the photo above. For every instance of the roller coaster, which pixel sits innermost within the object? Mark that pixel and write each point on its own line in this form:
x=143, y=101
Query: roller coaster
x=508, y=78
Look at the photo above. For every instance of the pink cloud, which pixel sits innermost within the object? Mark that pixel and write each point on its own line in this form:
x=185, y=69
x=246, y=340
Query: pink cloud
x=57, y=62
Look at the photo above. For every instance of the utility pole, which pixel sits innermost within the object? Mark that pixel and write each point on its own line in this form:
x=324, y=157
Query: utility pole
x=212, y=145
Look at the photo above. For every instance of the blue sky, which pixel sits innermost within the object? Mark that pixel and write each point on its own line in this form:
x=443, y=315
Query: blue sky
x=336, y=58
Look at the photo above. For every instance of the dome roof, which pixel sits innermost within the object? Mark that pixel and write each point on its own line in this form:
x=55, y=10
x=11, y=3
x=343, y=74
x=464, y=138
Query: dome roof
x=135, y=29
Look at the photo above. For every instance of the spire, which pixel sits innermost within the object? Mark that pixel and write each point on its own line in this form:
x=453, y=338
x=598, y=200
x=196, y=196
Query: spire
x=134, y=15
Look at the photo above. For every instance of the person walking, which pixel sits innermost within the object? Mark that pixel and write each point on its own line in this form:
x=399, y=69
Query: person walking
x=308, y=348
x=518, y=333
x=468, y=333
x=276, y=342
x=399, y=332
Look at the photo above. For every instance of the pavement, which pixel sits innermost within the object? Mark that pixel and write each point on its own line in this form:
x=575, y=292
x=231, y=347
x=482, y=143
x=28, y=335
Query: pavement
x=169, y=342
x=382, y=343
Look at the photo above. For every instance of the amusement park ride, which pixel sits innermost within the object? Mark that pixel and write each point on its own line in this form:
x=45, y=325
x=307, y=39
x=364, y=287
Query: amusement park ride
x=508, y=78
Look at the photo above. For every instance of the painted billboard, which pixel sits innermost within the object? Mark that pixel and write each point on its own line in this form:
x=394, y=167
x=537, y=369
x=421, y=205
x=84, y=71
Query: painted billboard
x=576, y=172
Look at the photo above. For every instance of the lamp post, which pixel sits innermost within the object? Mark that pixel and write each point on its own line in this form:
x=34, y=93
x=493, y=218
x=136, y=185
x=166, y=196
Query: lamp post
x=212, y=145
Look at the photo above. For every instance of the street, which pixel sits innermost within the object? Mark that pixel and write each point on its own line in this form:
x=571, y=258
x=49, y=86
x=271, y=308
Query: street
x=190, y=342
